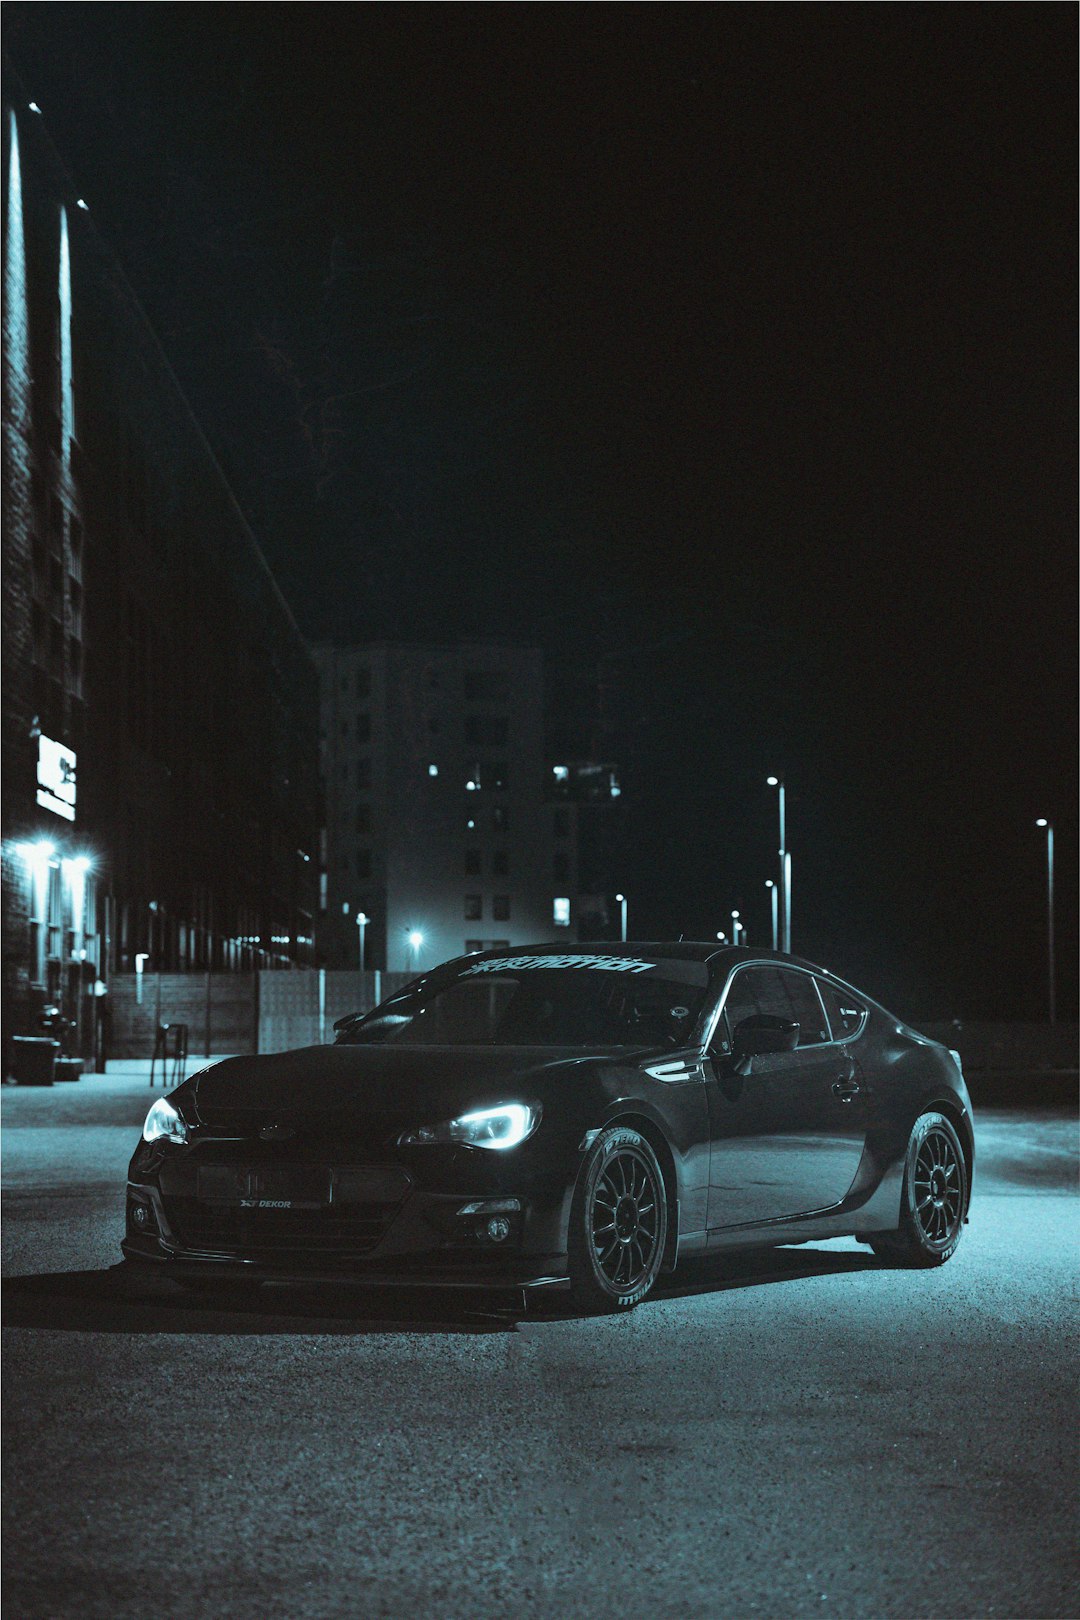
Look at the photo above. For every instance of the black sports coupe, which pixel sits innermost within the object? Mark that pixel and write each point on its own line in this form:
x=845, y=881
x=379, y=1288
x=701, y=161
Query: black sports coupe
x=568, y=1119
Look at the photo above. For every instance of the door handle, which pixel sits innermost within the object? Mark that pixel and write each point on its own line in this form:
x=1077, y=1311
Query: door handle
x=845, y=1089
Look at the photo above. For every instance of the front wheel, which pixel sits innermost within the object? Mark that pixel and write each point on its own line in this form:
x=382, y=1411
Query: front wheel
x=618, y=1223
x=934, y=1197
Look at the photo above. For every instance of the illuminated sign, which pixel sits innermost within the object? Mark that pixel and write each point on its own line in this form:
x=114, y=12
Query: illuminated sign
x=56, y=778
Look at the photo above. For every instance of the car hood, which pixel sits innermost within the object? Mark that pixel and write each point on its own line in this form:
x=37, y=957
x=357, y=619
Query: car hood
x=382, y=1085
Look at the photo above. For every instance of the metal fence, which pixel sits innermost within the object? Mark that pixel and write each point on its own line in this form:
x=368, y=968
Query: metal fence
x=238, y=1012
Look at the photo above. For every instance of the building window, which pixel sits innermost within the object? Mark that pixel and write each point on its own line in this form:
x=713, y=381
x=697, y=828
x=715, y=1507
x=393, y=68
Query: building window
x=561, y=824
x=500, y=908
x=474, y=907
x=363, y=728
x=472, y=945
x=498, y=777
x=560, y=912
x=499, y=863
x=487, y=730
x=561, y=866
x=472, y=862
x=500, y=818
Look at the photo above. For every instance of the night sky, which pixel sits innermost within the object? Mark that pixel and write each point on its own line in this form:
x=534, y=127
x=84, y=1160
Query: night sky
x=726, y=352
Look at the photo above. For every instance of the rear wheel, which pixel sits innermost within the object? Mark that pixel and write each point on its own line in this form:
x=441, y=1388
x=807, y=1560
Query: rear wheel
x=934, y=1197
x=618, y=1223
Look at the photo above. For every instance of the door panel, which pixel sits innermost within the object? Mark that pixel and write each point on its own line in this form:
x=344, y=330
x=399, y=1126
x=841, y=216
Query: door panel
x=788, y=1136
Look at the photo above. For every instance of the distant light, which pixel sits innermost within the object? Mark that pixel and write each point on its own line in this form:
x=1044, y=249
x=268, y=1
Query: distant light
x=616, y=790
x=721, y=935
x=344, y=908
x=735, y=914
x=561, y=773
x=141, y=959
x=81, y=203
x=33, y=106
x=773, y=781
x=41, y=851
x=1042, y=822
x=416, y=939
x=620, y=898
x=769, y=884
x=470, y=786
x=82, y=863
x=470, y=824
x=560, y=912
x=433, y=770
x=362, y=917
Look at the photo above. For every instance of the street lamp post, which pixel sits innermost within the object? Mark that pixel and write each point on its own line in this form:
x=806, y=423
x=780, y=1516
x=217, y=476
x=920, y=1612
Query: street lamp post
x=736, y=928
x=771, y=886
x=621, y=898
x=416, y=939
x=785, y=862
x=362, y=920
x=1051, y=974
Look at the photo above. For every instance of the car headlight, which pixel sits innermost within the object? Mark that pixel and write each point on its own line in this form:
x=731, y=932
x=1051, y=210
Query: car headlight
x=502, y=1127
x=164, y=1122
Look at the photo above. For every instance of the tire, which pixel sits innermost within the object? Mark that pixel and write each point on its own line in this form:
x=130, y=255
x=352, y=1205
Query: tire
x=618, y=1223
x=934, y=1197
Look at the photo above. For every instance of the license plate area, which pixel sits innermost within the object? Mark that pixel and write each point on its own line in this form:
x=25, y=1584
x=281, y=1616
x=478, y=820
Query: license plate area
x=265, y=1186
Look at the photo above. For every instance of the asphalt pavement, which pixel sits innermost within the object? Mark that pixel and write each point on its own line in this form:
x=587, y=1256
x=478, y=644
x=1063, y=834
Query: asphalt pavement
x=807, y=1433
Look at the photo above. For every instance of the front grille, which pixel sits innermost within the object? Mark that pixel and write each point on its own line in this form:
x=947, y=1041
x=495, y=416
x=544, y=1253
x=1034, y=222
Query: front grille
x=261, y=1233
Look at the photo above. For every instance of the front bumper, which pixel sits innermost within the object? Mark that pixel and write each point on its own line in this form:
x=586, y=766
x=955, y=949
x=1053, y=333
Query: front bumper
x=422, y=1239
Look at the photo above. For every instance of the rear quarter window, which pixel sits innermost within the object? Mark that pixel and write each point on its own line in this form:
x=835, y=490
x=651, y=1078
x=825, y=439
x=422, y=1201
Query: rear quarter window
x=846, y=1012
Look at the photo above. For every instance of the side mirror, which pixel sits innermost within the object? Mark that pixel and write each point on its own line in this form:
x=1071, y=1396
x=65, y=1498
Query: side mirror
x=763, y=1033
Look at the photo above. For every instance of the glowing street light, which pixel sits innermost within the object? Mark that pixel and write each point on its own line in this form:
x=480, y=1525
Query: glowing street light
x=785, y=863
x=771, y=886
x=416, y=939
x=1051, y=975
x=362, y=920
x=736, y=928
x=621, y=898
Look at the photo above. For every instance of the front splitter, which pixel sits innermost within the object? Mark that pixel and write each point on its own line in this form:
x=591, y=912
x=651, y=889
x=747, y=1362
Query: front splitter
x=210, y=1268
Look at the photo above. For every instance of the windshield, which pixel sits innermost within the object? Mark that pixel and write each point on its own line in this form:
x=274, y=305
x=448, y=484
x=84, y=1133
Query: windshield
x=544, y=1001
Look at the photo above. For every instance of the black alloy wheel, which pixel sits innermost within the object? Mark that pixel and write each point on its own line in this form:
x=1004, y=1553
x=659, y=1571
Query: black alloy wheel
x=934, y=1199
x=938, y=1186
x=618, y=1222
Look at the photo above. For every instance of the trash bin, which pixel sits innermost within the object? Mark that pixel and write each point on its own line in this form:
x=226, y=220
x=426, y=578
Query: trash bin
x=33, y=1059
x=68, y=1068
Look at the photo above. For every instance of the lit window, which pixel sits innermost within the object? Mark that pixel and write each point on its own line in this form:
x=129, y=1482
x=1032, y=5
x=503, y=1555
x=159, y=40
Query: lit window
x=433, y=770
x=560, y=912
x=344, y=908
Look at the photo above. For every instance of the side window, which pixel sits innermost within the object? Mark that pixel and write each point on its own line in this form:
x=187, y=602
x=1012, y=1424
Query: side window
x=805, y=1008
x=845, y=1012
x=753, y=990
